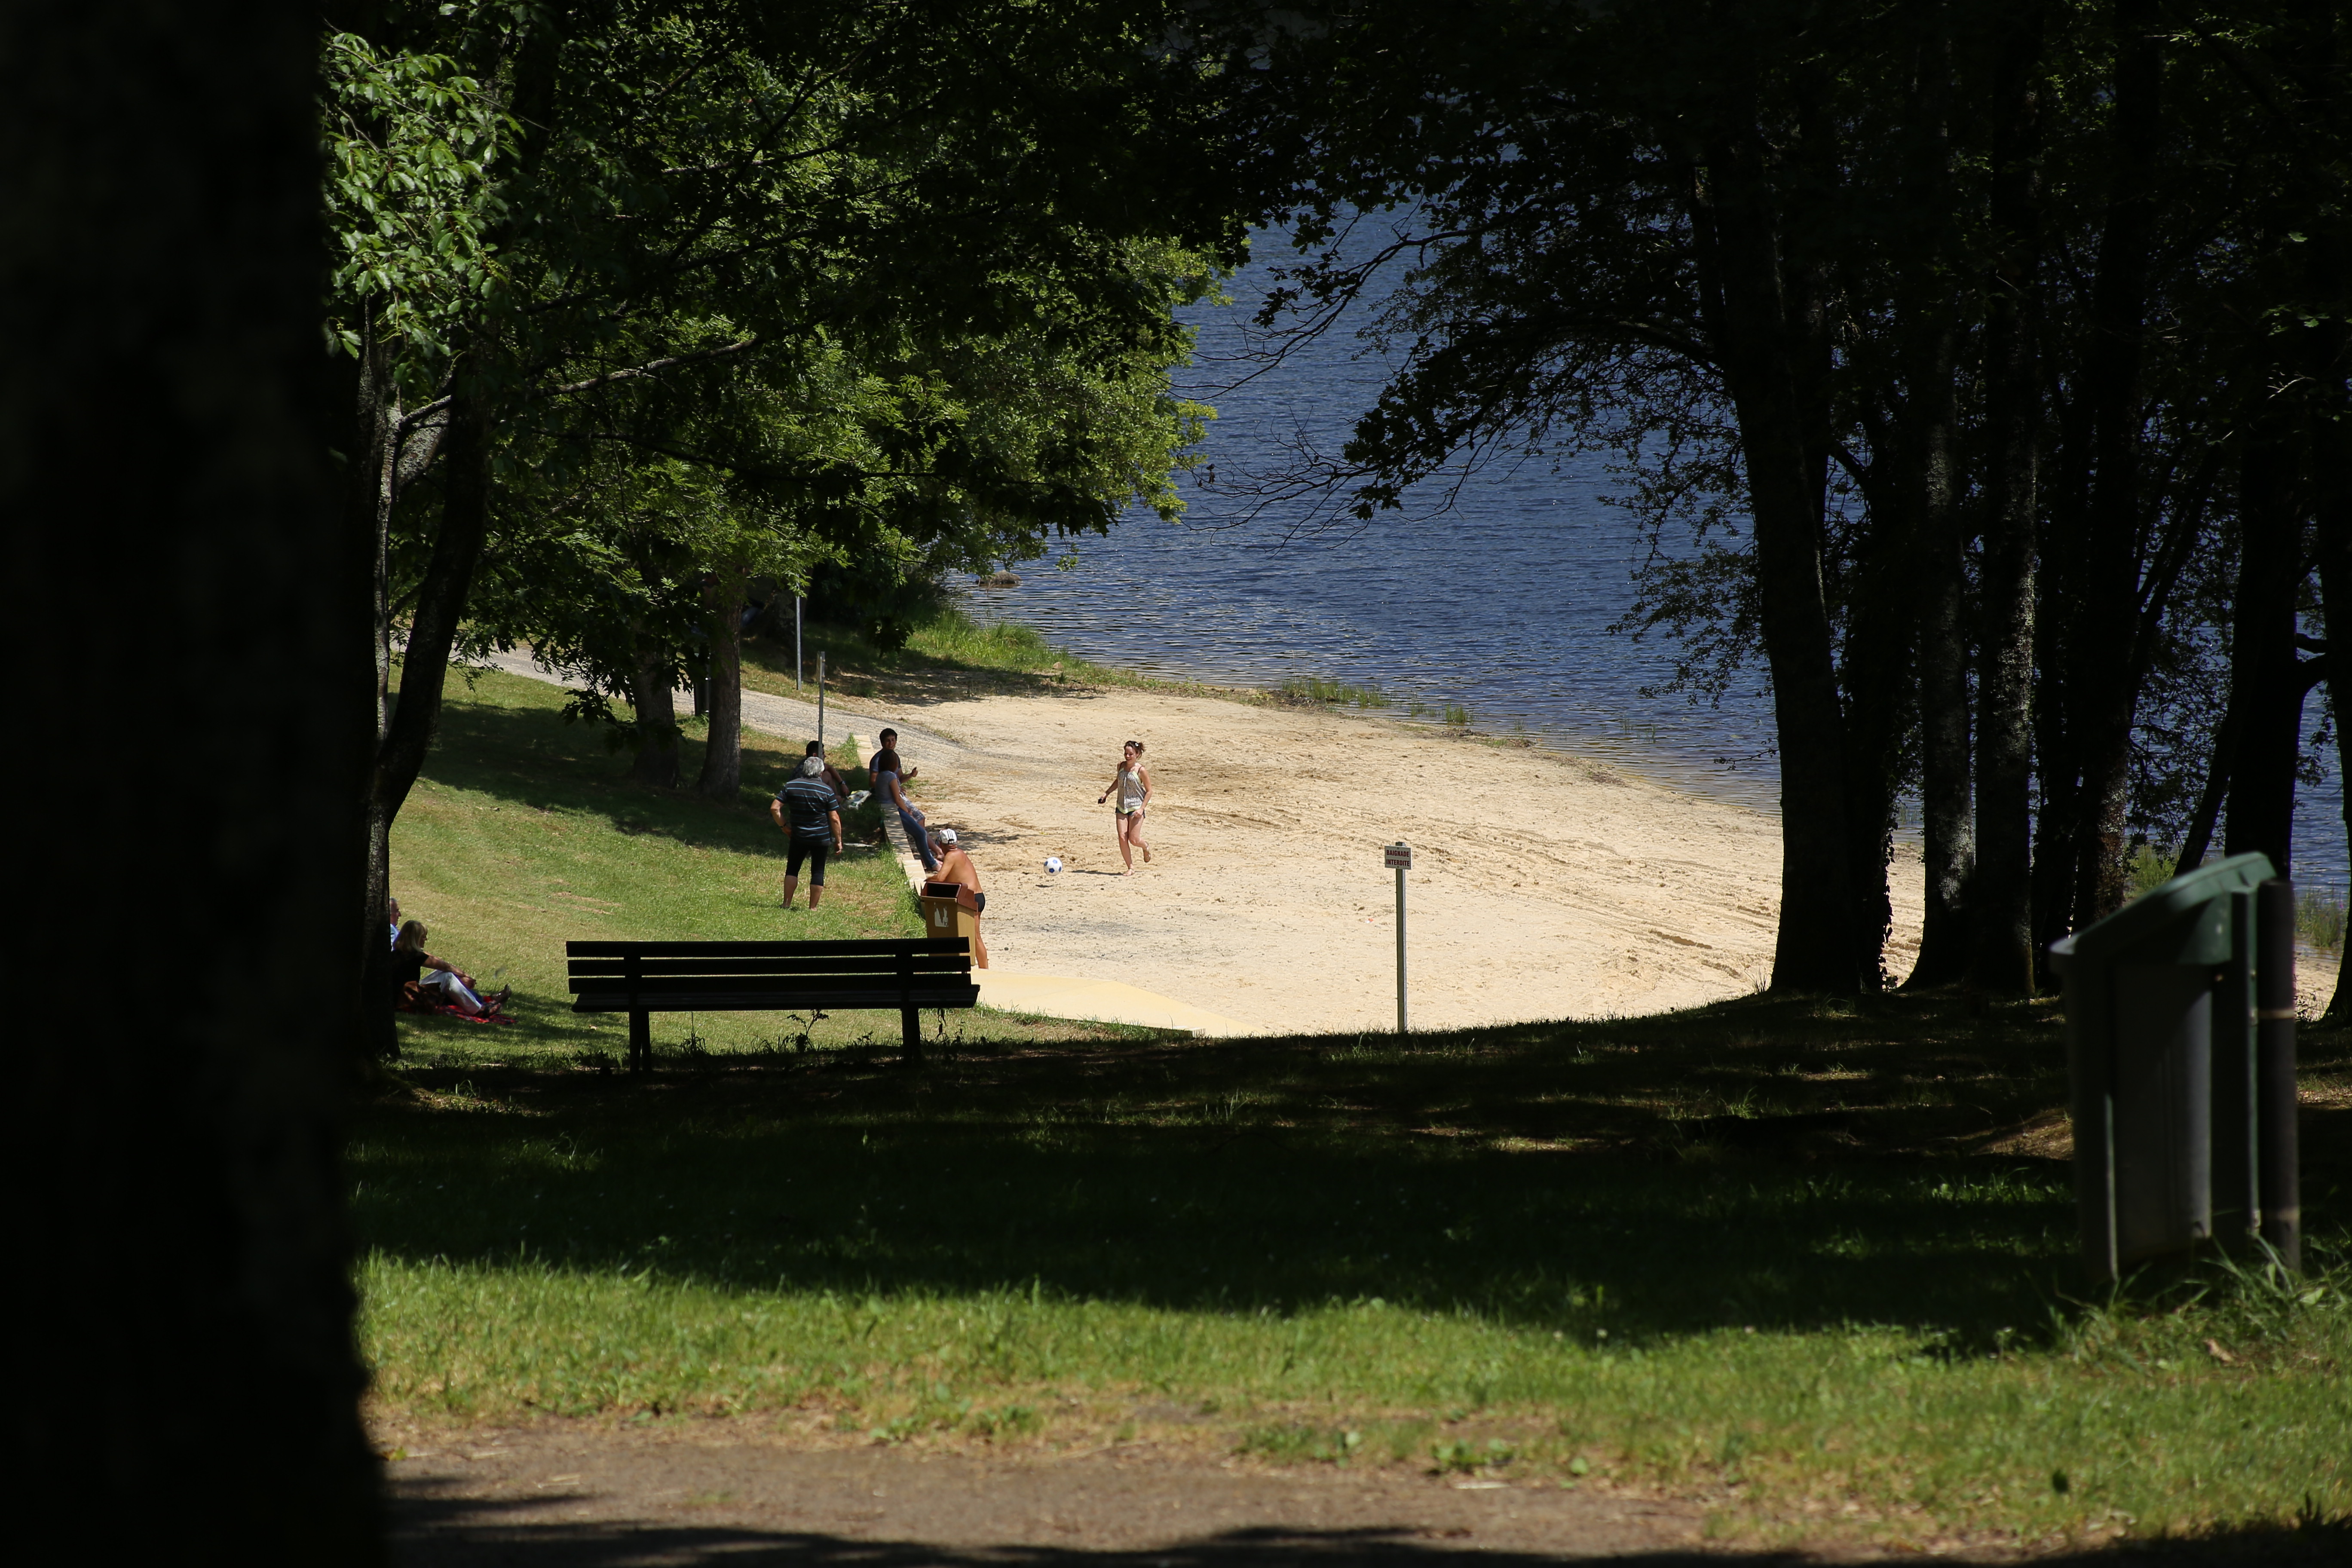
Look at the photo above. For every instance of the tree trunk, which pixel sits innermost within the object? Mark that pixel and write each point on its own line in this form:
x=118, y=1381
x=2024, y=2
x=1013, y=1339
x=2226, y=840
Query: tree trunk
x=1764, y=332
x=463, y=440
x=2266, y=687
x=723, y=753
x=2103, y=590
x=1941, y=565
x=652, y=692
x=1935, y=549
x=368, y=491
x=2002, y=900
x=1877, y=679
x=187, y=1386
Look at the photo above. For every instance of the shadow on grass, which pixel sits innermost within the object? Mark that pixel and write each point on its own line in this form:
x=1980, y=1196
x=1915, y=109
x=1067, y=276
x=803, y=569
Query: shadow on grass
x=1576, y=1177
x=524, y=753
x=446, y=1531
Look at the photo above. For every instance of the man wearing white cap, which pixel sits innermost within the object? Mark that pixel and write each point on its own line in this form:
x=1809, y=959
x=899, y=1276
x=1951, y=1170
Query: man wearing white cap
x=955, y=866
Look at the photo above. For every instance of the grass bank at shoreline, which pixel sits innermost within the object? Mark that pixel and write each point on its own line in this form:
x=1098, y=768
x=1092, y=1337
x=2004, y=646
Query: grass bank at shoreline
x=1009, y=656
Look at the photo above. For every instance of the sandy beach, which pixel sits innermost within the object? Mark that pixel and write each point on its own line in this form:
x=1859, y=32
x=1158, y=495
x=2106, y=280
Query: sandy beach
x=1544, y=885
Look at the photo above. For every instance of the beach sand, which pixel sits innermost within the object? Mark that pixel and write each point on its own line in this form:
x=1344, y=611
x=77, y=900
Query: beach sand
x=1544, y=885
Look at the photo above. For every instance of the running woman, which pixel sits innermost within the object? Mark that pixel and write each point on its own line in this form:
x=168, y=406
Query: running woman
x=1133, y=784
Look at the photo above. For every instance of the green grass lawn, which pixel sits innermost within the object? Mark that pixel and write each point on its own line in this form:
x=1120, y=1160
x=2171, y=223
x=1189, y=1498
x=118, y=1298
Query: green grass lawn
x=524, y=833
x=1783, y=1255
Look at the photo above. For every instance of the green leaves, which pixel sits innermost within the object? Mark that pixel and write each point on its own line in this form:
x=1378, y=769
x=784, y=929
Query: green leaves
x=412, y=143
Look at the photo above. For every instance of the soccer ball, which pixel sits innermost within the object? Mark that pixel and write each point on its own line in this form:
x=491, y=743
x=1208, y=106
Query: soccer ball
x=1053, y=862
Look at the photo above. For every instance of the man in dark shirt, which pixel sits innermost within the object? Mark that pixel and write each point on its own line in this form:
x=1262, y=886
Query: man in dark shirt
x=890, y=776
x=810, y=815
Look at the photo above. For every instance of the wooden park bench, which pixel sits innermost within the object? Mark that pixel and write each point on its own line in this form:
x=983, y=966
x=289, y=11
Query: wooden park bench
x=642, y=978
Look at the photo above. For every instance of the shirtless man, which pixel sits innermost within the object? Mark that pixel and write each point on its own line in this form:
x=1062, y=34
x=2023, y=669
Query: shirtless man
x=955, y=866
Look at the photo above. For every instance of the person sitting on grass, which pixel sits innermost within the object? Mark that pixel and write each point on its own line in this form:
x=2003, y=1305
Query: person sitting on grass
x=446, y=986
x=813, y=826
x=955, y=866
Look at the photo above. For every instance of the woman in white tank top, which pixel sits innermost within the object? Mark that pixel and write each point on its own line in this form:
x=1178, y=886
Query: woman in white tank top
x=1132, y=783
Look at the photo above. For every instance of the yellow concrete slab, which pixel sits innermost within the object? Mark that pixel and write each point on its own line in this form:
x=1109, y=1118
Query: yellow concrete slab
x=1098, y=1001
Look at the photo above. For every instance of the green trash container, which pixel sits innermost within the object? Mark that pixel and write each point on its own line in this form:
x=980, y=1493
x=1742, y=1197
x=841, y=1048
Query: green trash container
x=2169, y=1049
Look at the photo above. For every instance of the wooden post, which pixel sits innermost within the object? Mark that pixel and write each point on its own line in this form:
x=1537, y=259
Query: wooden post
x=911, y=1025
x=641, y=1023
x=2275, y=1102
x=1398, y=858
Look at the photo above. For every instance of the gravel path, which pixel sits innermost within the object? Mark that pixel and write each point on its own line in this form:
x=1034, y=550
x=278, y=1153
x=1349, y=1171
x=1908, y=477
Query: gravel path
x=727, y=1492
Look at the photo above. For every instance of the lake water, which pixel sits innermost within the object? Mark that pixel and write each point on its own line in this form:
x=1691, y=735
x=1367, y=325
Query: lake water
x=1501, y=604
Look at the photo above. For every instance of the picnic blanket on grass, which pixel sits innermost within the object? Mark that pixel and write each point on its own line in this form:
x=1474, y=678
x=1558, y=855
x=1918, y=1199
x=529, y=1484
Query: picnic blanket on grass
x=413, y=1001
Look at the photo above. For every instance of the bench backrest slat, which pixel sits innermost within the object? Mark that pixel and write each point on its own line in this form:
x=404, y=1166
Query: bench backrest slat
x=775, y=985
x=890, y=947
x=943, y=963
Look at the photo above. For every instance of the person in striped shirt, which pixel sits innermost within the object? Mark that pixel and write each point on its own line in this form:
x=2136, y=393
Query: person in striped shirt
x=809, y=813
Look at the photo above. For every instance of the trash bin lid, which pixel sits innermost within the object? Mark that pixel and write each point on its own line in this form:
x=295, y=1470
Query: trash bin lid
x=2147, y=916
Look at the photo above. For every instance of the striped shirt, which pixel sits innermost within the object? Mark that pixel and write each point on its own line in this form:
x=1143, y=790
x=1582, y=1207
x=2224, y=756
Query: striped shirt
x=810, y=802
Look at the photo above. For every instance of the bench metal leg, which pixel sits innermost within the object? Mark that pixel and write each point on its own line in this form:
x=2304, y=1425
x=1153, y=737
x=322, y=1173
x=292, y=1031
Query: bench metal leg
x=641, y=1041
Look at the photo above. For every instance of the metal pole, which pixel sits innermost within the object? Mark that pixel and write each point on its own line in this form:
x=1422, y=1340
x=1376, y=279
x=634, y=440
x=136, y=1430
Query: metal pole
x=2274, y=1107
x=820, y=701
x=1401, y=947
x=797, y=665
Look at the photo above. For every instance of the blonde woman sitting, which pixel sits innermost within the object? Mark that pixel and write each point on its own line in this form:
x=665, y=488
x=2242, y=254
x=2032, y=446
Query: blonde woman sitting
x=445, y=985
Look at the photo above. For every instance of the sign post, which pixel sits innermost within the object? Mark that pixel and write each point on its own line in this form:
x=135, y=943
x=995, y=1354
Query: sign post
x=797, y=665
x=820, y=701
x=1398, y=858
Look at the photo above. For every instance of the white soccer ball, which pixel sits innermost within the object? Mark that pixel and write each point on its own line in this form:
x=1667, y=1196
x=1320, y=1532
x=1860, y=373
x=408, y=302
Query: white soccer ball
x=1053, y=862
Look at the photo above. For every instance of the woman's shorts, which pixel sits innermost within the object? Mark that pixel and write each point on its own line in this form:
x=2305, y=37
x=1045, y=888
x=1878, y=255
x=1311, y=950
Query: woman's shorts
x=813, y=852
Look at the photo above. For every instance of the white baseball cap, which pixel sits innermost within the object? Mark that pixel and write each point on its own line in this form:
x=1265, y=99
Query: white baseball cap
x=944, y=834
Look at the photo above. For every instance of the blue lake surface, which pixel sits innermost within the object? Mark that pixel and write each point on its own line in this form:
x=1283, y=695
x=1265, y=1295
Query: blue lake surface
x=1500, y=603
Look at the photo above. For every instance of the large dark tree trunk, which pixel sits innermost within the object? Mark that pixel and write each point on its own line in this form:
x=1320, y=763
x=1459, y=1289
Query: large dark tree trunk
x=722, y=754
x=2002, y=899
x=1948, y=836
x=1767, y=326
x=1877, y=679
x=2102, y=586
x=1935, y=563
x=2266, y=687
x=187, y=1384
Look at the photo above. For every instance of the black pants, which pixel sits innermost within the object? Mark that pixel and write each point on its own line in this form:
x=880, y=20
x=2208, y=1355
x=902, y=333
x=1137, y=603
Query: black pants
x=812, y=850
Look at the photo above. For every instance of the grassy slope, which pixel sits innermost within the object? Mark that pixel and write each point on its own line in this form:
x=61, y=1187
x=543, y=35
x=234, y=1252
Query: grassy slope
x=524, y=834
x=1748, y=1251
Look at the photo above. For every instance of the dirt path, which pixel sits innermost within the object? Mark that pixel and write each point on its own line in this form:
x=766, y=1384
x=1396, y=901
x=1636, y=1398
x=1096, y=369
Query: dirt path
x=580, y=1495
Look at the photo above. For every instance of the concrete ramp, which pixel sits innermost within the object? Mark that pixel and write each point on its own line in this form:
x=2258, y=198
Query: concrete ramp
x=1101, y=1002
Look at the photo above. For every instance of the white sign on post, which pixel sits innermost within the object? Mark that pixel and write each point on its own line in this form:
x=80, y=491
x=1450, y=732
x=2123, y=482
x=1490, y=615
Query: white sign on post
x=1398, y=858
